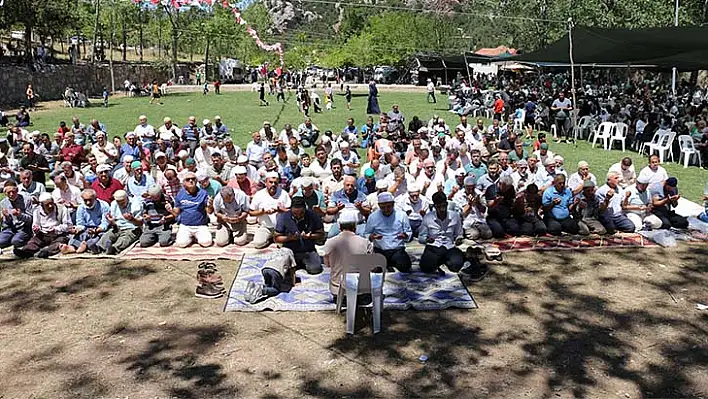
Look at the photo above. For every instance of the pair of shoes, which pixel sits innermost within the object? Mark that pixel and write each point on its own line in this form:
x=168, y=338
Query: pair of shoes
x=208, y=291
x=207, y=266
x=475, y=274
x=42, y=253
x=254, y=292
x=209, y=276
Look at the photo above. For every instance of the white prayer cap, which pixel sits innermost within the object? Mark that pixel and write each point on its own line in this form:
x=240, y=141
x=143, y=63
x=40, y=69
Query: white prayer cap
x=183, y=153
x=413, y=188
x=202, y=175
x=344, y=144
x=206, y=122
x=272, y=175
x=381, y=185
x=385, y=197
x=241, y=159
x=240, y=170
x=348, y=218
x=120, y=195
x=45, y=197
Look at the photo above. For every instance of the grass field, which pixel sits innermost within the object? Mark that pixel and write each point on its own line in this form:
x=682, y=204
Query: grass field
x=242, y=114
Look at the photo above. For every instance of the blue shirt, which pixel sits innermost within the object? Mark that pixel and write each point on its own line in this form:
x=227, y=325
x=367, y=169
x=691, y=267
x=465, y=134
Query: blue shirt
x=134, y=207
x=91, y=218
x=389, y=227
x=190, y=133
x=350, y=130
x=291, y=173
x=286, y=224
x=213, y=189
x=137, y=188
x=193, y=207
x=340, y=197
x=477, y=171
x=366, y=187
x=126, y=149
x=559, y=211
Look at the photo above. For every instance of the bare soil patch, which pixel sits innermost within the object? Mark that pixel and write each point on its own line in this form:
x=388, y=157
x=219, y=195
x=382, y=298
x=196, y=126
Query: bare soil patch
x=554, y=324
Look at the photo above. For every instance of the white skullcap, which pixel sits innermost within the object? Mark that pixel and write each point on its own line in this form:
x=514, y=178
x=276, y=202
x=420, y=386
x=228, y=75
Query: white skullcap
x=167, y=119
x=206, y=122
x=558, y=158
x=120, y=195
x=385, y=197
x=155, y=190
x=103, y=168
x=45, y=197
x=381, y=185
x=306, y=182
x=470, y=181
x=240, y=170
x=142, y=117
x=582, y=164
x=202, y=175
x=159, y=154
x=128, y=158
x=271, y=175
x=241, y=159
x=182, y=153
x=306, y=172
x=344, y=144
x=549, y=162
x=348, y=218
x=414, y=188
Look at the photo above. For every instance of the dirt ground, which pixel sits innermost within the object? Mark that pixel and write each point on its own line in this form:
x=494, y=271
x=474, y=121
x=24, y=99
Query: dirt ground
x=599, y=324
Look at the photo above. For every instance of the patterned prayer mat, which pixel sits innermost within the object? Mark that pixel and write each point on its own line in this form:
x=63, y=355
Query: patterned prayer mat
x=402, y=291
x=620, y=240
x=191, y=253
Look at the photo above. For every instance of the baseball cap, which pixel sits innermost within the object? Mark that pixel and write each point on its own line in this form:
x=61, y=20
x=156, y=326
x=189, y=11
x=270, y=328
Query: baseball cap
x=369, y=172
x=588, y=184
x=544, y=146
x=136, y=164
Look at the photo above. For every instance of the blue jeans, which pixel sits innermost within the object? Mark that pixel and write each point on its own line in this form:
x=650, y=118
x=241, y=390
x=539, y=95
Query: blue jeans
x=703, y=217
x=272, y=282
x=16, y=238
x=91, y=241
x=616, y=222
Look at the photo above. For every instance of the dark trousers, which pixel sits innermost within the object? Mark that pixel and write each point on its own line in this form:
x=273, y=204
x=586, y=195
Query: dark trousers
x=670, y=219
x=532, y=226
x=48, y=243
x=396, y=258
x=502, y=226
x=434, y=257
x=309, y=140
x=154, y=234
x=557, y=226
x=429, y=96
x=415, y=226
x=272, y=282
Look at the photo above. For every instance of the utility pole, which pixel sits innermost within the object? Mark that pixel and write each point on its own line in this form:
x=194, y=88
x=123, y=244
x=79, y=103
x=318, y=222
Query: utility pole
x=674, y=72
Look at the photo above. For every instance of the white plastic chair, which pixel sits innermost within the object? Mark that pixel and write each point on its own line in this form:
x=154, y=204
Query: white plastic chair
x=619, y=134
x=358, y=278
x=688, y=150
x=519, y=122
x=582, y=126
x=604, y=133
x=664, y=148
x=653, y=142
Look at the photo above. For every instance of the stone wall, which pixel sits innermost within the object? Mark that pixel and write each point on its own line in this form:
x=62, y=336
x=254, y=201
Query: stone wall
x=51, y=82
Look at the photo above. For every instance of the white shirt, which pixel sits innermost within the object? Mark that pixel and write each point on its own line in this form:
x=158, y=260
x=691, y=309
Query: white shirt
x=352, y=158
x=167, y=134
x=145, y=131
x=436, y=180
x=654, y=177
x=262, y=200
x=576, y=180
x=475, y=215
x=412, y=209
x=202, y=157
x=72, y=195
x=321, y=172
x=255, y=152
x=430, y=87
x=627, y=177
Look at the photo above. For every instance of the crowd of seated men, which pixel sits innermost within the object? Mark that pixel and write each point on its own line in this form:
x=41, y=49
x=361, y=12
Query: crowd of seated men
x=383, y=182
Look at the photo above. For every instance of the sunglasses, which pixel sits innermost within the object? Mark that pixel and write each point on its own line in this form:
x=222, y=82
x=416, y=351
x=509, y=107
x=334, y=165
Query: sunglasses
x=191, y=179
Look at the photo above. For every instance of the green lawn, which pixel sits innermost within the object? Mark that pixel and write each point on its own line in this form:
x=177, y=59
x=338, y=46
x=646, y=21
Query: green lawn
x=240, y=111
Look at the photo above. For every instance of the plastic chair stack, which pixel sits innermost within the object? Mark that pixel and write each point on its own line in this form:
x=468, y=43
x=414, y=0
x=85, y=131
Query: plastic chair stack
x=359, y=278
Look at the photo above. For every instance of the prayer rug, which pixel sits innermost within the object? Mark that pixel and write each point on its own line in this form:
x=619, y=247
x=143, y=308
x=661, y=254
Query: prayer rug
x=192, y=253
x=415, y=290
x=519, y=244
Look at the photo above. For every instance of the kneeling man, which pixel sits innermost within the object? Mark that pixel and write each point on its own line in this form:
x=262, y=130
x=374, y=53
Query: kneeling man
x=389, y=229
x=298, y=229
x=440, y=232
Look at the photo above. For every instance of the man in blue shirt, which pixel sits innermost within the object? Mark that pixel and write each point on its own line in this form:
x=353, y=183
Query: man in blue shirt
x=389, y=230
x=130, y=147
x=190, y=206
x=348, y=199
x=221, y=130
x=139, y=182
x=190, y=135
x=557, y=207
x=91, y=224
x=367, y=183
x=298, y=229
x=125, y=220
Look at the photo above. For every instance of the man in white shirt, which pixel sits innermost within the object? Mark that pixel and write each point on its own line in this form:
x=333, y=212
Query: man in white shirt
x=266, y=205
x=625, y=168
x=654, y=172
x=637, y=205
x=255, y=150
x=415, y=206
x=321, y=165
x=167, y=131
x=350, y=161
x=441, y=231
x=577, y=179
x=471, y=209
x=430, y=89
x=104, y=151
x=145, y=131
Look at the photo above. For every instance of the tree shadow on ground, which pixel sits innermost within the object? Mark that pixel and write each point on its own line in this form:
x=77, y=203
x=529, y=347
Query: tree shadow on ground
x=578, y=337
x=41, y=293
x=177, y=355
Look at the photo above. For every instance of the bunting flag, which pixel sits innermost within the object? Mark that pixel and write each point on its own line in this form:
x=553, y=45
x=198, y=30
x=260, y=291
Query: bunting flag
x=206, y=4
